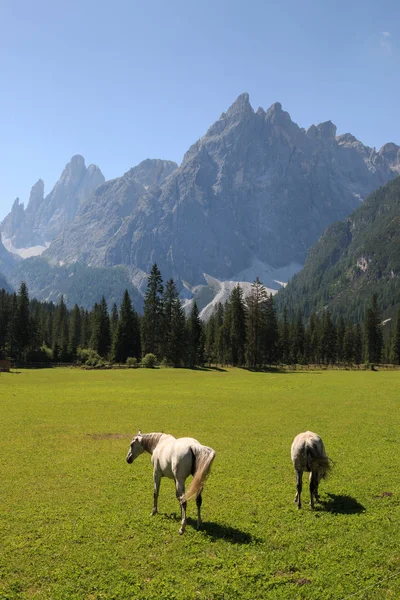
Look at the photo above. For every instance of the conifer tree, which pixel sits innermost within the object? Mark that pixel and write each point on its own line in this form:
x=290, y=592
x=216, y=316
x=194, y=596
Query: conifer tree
x=256, y=303
x=100, y=338
x=152, y=321
x=113, y=320
x=126, y=342
x=220, y=350
x=395, y=347
x=348, y=355
x=340, y=331
x=329, y=339
x=173, y=339
x=23, y=325
x=194, y=338
x=373, y=340
x=271, y=331
x=284, y=339
x=75, y=327
x=235, y=326
x=358, y=344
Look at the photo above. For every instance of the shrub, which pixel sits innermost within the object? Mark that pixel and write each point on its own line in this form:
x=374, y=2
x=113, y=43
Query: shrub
x=132, y=362
x=149, y=361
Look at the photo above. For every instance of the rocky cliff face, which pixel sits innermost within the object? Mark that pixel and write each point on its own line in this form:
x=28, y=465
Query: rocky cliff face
x=255, y=188
x=45, y=217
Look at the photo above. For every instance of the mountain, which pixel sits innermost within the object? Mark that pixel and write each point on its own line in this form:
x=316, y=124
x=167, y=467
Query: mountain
x=108, y=212
x=256, y=189
x=29, y=231
x=353, y=260
x=7, y=263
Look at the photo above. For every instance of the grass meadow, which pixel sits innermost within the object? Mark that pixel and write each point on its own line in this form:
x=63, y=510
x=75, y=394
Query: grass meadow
x=75, y=517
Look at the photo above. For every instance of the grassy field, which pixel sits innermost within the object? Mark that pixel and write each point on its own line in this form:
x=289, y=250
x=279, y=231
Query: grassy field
x=75, y=517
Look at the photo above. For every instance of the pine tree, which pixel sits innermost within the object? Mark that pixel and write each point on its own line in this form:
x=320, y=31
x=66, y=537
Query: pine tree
x=395, y=348
x=256, y=303
x=348, y=344
x=113, y=320
x=194, y=338
x=75, y=327
x=340, y=331
x=373, y=339
x=23, y=326
x=284, y=339
x=271, y=331
x=220, y=349
x=178, y=334
x=126, y=342
x=358, y=344
x=100, y=338
x=235, y=327
x=152, y=321
x=329, y=339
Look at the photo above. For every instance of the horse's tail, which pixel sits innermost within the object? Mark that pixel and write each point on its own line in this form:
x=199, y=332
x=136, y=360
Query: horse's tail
x=316, y=457
x=203, y=457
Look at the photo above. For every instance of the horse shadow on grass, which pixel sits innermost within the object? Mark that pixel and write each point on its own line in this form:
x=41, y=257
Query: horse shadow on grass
x=342, y=504
x=217, y=531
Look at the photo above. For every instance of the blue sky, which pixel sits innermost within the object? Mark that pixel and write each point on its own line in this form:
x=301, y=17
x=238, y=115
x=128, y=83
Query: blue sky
x=122, y=81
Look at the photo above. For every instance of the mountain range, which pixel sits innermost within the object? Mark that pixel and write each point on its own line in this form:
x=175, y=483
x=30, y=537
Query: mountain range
x=250, y=197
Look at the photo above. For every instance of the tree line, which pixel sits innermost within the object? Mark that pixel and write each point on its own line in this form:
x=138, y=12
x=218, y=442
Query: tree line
x=245, y=332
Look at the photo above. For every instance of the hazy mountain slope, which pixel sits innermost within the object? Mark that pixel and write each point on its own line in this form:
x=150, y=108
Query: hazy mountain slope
x=78, y=283
x=255, y=188
x=353, y=260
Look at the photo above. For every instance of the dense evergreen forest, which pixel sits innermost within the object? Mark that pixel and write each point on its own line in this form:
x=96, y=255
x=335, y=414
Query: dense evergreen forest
x=245, y=332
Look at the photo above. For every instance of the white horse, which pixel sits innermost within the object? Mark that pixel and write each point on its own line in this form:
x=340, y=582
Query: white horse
x=308, y=454
x=176, y=459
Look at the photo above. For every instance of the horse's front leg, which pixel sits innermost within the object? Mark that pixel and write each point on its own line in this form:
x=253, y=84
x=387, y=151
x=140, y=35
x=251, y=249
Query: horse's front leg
x=157, y=481
x=180, y=490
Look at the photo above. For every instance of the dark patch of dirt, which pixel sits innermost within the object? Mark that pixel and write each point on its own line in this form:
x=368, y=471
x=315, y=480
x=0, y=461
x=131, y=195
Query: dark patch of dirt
x=384, y=495
x=108, y=436
x=285, y=573
x=303, y=581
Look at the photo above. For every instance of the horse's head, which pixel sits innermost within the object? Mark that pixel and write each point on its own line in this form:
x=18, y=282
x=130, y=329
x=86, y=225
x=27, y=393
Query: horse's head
x=135, y=448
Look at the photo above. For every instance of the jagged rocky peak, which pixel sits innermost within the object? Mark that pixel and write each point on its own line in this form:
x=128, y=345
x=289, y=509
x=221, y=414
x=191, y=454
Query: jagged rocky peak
x=240, y=106
x=44, y=217
x=323, y=131
x=391, y=153
x=36, y=197
x=152, y=171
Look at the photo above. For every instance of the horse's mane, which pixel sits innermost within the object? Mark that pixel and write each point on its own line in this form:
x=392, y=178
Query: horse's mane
x=150, y=440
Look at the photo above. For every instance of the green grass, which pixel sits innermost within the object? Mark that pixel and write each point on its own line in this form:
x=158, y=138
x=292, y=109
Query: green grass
x=75, y=517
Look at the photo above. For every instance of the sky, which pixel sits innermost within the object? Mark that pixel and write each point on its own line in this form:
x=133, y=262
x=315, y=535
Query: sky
x=122, y=81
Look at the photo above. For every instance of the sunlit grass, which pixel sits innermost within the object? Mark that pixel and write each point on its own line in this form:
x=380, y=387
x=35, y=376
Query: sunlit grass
x=75, y=518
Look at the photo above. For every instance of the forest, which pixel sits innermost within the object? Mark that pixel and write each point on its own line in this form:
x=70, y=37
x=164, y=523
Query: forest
x=244, y=332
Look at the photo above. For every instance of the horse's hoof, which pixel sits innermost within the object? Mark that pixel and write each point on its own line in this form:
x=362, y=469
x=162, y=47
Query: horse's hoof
x=181, y=531
x=153, y=512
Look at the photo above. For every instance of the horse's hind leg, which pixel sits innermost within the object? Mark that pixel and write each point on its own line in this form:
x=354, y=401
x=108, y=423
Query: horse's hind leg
x=180, y=490
x=299, y=483
x=199, y=501
x=157, y=480
x=313, y=487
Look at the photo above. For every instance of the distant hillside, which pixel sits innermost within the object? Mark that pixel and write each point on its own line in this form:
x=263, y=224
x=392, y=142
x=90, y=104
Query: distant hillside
x=78, y=283
x=353, y=260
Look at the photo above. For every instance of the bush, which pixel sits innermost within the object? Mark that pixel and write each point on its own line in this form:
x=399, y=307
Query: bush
x=89, y=357
x=149, y=361
x=132, y=362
